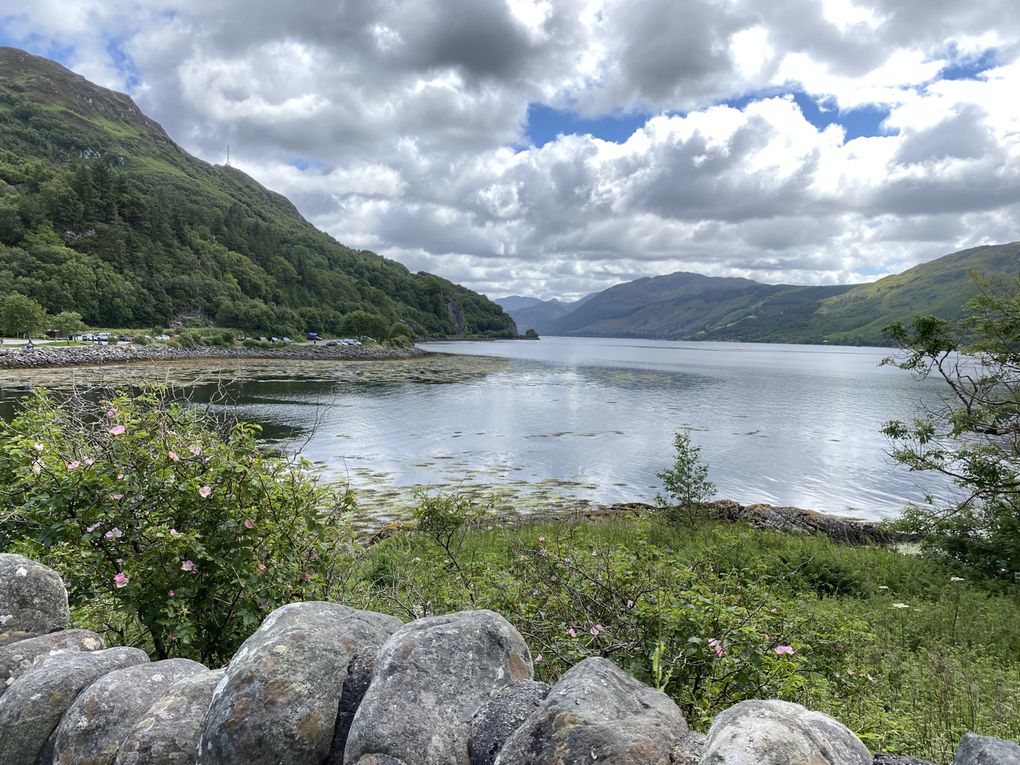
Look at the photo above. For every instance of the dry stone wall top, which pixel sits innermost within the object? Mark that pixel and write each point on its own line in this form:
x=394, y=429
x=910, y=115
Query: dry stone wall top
x=323, y=684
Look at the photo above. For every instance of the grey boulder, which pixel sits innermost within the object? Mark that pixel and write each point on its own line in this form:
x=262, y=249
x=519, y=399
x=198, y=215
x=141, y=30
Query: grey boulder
x=16, y=659
x=503, y=713
x=168, y=733
x=985, y=750
x=881, y=758
x=431, y=677
x=780, y=733
x=598, y=713
x=33, y=600
x=105, y=712
x=35, y=703
x=291, y=690
x=689, y=748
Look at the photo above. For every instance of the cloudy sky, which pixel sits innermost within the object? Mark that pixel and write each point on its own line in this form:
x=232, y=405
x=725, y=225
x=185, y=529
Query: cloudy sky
x=556, y=147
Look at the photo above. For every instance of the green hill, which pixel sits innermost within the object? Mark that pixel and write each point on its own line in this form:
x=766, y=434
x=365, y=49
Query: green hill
x=686, y=306
x=102, y=213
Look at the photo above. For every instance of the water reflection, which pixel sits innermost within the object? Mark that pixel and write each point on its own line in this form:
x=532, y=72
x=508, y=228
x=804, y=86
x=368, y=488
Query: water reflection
x=784, y=424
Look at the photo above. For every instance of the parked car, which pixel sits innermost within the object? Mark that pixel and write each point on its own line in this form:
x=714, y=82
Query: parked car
x=287, y=340
x=125, y=338
x=333, y=343
x=103, y=337
x=162, y=337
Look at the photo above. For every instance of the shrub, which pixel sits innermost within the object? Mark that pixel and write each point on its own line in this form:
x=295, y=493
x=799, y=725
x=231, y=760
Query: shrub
x=687, y=481
x=172, y=530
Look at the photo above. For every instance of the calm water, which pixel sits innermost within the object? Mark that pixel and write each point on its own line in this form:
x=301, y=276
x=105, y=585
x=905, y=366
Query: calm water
x=594, y=418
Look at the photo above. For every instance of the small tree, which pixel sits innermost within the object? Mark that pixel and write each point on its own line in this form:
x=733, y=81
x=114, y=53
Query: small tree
x=687, y=481
x=974, y=436
x=68, y=323
x=21, y=316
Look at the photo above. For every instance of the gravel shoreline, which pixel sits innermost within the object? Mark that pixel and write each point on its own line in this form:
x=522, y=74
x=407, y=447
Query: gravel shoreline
x=42, y=357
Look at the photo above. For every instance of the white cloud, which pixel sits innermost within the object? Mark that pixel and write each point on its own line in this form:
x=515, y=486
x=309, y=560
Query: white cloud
x=391, y=125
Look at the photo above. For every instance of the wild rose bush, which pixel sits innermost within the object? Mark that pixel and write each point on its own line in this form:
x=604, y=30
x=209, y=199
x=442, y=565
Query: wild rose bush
x=172, y=530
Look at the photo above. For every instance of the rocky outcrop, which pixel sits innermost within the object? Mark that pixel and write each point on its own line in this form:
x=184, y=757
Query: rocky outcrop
x=16, y=659
x=323, y=684
x=43, y=356
x=598, y=713
x=431, y=678
x=33, y=600
x=283, y=691
x=780, y=733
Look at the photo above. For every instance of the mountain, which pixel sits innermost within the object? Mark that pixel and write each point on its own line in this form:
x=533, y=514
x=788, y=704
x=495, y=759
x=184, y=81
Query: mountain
x=102, y=213
x=533, y=313
x=516, y=302
x=688, y=306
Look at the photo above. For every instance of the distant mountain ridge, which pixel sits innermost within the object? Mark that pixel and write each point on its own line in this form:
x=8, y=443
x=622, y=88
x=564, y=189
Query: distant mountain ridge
x=102, y=213
x=686, y=306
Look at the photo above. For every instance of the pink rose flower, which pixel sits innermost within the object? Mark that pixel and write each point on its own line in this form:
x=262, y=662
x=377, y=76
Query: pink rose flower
x=114, y=533
x=173, y=455
x=38, y=447
x=262, y=566
x=572, y=632
x=73, y=465
x=169, y=593
x=89, y=461
x=117, y=430
x=195, y=449
x=93, y=527
x=189, y=566
x=204, y=492
x=174, y=533
x=784, y=649
x=116, y=496
x=111, y=412
x=249, y=523
x=716, y=646
x=120, y=580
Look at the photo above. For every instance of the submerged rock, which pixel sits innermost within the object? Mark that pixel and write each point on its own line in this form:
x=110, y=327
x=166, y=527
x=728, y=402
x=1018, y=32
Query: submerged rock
x=33, y=706
x=289, y=693
x=431, y=677
x=168, y=733
x=598, y=713
x=780, y=733
x=33, y=600
x=986, y=750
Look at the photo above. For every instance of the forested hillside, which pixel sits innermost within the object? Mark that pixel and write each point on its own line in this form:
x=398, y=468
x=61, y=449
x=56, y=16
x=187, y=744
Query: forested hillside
x=103, y=214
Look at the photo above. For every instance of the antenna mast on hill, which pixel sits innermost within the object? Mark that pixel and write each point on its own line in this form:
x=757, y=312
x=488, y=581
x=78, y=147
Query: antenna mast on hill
x=228, y=155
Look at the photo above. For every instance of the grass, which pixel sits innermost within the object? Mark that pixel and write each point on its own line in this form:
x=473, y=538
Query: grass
x=907, y=652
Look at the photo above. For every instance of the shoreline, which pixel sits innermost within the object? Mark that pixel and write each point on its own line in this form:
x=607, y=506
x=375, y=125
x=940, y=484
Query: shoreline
x=761, y=516
x=42, y=357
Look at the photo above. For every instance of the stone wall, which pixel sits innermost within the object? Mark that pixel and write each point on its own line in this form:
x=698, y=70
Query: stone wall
x=322, y=683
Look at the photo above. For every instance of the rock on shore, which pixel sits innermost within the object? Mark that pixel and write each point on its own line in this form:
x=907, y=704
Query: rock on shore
x=43, y=356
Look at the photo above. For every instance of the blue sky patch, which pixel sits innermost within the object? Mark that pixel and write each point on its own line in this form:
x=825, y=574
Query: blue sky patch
x=545, y=123
x=969, y=69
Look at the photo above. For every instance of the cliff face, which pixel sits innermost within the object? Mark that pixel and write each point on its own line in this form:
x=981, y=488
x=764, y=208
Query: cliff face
x=323, y=683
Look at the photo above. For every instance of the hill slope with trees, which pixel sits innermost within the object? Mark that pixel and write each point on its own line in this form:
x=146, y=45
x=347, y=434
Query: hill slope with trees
x=103, y=214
